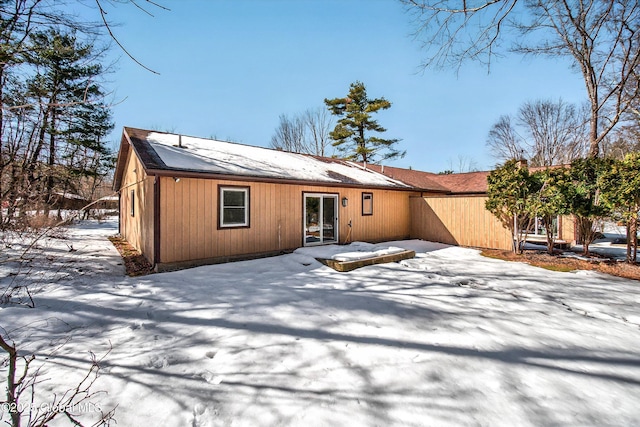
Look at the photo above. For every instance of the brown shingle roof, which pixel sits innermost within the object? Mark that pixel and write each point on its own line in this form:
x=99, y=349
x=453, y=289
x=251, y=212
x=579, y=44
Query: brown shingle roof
x=457, y=183
x=464, y=183
x=421, y=180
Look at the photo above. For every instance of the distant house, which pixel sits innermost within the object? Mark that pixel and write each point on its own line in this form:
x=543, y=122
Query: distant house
x=66, y=200
x=188, y=201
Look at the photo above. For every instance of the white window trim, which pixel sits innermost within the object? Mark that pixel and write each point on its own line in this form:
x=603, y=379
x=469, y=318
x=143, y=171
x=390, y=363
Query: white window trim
x=221, y=223
x=537, y=226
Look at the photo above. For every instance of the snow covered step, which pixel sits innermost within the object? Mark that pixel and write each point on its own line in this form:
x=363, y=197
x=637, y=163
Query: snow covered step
x=346, y=262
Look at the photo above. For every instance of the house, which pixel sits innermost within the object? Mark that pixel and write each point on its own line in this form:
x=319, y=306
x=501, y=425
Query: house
x=187, y=201
x=459, y=217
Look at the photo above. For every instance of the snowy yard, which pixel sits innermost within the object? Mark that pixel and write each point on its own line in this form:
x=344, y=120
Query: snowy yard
x=447, y=338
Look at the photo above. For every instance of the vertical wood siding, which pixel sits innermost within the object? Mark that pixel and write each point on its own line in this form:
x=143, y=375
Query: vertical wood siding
x=189, y=218
x=568, y=229
x=137, y=229
x=457, y=220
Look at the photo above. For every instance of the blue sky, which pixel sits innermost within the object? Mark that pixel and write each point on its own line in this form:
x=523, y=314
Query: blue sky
x=229, y=68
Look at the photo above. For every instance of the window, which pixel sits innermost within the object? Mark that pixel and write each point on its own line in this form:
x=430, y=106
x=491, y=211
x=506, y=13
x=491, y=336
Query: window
x=234, y=207
x=536, y=226
x=367, y=203
x=133, y=202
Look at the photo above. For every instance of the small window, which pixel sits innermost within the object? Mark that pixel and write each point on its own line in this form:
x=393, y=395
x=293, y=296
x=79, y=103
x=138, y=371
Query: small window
x=133, y=202
x=367, y=203
x=234, y=207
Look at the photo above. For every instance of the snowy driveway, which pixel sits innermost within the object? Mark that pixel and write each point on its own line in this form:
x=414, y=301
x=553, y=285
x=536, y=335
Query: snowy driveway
x=447, y=338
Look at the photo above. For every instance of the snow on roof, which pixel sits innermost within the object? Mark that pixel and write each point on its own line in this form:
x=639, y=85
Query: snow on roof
x=211, y=156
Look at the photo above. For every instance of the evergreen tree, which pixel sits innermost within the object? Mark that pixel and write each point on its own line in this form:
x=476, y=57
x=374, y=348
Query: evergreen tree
x=350, y=135
x=87, y=160
x=620, y=189
x=71, y=114
x=38, y=103
x=584, y=204
x=510, y=189
x=551, y=192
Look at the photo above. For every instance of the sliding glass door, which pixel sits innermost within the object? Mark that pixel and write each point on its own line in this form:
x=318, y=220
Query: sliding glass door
x=320, y=219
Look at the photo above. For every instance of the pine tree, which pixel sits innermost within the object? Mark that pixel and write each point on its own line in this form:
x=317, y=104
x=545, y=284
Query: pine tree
x=65, y=89
x=350, y=135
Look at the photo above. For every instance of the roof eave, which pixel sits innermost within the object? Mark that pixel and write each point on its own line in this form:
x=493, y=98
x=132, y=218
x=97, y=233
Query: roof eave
x=468, y=193
x=181, y=173
x=123, y=152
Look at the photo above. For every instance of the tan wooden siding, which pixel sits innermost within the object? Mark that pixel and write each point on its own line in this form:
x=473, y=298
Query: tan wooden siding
x=137, y=229
x=457, y=220
x=568, y=229
x=189, y=218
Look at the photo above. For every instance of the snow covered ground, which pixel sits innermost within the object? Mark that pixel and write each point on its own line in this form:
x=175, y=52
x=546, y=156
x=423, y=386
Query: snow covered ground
x=611, y=244
x=447, y=338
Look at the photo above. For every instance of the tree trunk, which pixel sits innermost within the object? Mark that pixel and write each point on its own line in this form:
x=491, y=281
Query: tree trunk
x=628, y=258
x=585, y=233
x=12, y=400
x=49, y=199
x=594, y=143
x=550, y=243
x=363, y=145
x=2, y=165
x=549, y=232
x=632, y=237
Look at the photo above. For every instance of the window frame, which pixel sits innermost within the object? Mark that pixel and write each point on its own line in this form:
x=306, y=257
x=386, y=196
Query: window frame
x=133, y=203
x=221, y=207
x=538, y=227
x=336, y=211
x=367, y=212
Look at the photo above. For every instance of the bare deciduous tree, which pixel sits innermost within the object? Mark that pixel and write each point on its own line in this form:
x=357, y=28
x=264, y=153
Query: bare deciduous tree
x=545, y=133
x=626, y=138
x=319, y=125
x=504, y=141
x=305, y=133
x=555, y=131
x=624, y=141
x=289, y=135
x=600, y=38
x=464, y=164
x=101, y=4
x=22, y=380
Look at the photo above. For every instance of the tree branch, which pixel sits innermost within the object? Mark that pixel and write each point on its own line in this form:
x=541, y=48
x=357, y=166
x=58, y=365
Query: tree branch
x=103, y=15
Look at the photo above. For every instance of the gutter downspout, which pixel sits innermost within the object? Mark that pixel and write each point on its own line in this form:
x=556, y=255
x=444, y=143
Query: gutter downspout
x=119, y=213
x=156, y=222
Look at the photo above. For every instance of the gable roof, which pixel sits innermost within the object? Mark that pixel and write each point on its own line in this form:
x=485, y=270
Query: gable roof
x=177, y=155
x=417, y=179
x=456, y=183
x=464, y=183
